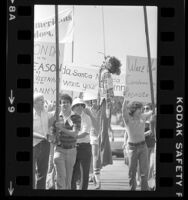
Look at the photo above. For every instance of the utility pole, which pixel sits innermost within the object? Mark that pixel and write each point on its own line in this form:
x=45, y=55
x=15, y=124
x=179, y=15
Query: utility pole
x=149, y=58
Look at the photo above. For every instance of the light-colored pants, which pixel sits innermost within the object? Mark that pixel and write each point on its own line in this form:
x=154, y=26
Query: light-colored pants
x=151, y=162
x=64, y=160
x=96, y=159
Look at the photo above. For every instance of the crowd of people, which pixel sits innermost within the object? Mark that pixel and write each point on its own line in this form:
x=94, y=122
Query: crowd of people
x=68, y=145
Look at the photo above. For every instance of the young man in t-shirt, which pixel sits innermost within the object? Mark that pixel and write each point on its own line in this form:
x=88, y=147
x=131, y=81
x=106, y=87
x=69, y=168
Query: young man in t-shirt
x=137, y=148
x=69, y=125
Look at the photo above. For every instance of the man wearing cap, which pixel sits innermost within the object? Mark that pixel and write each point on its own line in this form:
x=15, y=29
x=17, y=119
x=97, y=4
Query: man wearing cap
x=137, y=148
x=42, y=120
x=83, y=158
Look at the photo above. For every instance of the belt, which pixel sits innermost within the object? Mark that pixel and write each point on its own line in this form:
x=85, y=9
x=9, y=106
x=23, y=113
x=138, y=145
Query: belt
x=67, y=146
x=136, y=144
x=83, y=143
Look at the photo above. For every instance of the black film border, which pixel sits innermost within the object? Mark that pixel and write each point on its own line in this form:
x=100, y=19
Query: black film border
x=19, y=96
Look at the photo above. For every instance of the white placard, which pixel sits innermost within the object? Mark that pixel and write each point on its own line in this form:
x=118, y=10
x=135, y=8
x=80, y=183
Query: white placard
x=137, y=79
x=44, y=25
x=45, y=68
x=84, y=78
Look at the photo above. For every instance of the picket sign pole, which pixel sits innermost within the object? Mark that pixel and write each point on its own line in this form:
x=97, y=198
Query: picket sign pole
x=104, y=42
x=149, y=58
x=73, y=38
x=57, y=61
x=104, y=48
x=72, y=92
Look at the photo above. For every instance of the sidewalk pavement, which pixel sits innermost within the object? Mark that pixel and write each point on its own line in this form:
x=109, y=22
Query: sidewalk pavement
x=114, y=177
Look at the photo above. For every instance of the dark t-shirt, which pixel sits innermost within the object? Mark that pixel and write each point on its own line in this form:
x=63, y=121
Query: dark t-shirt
x=147, y=126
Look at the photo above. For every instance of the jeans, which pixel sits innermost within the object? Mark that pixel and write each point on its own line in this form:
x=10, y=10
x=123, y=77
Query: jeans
x=150, y=164
x=83, y=161
x=40, y=164
x=138, y=154
x=64, y=160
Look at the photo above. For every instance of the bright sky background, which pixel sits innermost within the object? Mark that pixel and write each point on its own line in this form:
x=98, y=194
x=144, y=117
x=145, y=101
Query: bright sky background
x=124, y=33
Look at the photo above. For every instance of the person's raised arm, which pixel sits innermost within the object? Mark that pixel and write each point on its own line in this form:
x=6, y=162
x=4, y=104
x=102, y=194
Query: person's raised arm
x=93, y=119
x=147, y=115
x=125, y=112
x=125, y=138
x=86, y=127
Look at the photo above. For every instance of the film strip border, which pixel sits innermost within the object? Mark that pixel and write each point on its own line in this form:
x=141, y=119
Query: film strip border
x=170, y=98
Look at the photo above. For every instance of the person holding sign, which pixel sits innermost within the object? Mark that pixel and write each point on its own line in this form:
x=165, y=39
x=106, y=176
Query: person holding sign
x=137, y=148
x=65, y=151
x=84, y=152
x=42, y=120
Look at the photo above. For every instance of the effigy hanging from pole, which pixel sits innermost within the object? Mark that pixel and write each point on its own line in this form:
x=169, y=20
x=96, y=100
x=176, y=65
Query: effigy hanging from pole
x=105, y=96
x=111, y=65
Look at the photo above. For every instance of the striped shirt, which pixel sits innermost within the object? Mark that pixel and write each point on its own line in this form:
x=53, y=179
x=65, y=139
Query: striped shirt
x=72, y=122
x=105, y=86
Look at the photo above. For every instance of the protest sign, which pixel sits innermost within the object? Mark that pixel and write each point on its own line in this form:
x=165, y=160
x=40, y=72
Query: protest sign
x=84, y=78
x=44, y=26
x=45, y=68
x=80, y=78
x=119, y=84
x=137, y=79
x=45, y=48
